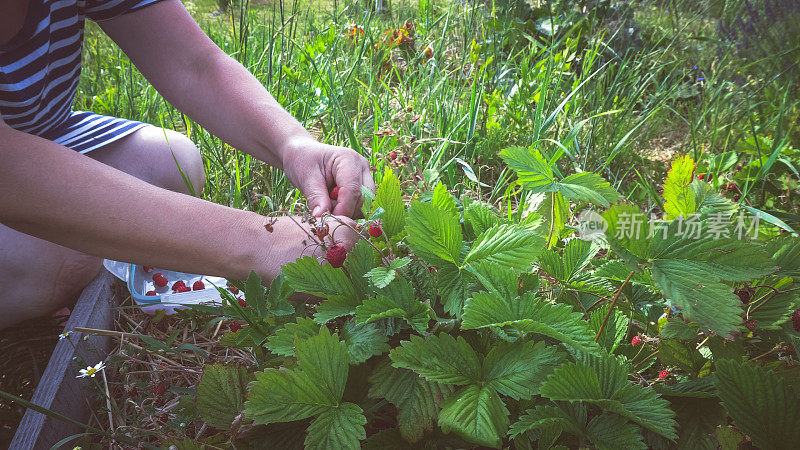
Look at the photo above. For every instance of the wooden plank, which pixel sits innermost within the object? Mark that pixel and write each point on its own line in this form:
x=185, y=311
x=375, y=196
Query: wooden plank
x=59, y=389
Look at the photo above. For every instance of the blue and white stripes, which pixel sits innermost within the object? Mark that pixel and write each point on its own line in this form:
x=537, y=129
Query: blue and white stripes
x=40, y=68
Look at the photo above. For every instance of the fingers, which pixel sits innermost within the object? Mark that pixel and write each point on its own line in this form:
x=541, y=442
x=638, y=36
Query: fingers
x=317, y=194
x=348, y=177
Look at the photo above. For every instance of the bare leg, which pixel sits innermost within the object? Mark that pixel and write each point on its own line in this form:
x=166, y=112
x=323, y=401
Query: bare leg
x=38, y=277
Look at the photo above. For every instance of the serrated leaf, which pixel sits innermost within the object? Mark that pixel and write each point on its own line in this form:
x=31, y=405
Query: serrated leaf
x=381, y=276
x=442, y=199
x=441, y=358
x=254, y=294
x=481, y=217
x=760, y=403
x=577, y=255
x=529, y=315
x=728, y=258
x=337, y=428
x=508, y=245
x=785, y=251
x=434, y=234
x=533, y=171
x=363, y=341
x=317, y=385
x=454, y=286
x=679, y=198
x=588, y=187
x=417, y=399
x=397, y=299
x=390, y=198
x=542, y=416
x=477, y=414
x=284, y=340
x=360, y=261
x=676, y=328
x=627, y=232
x=612, y=432
x=498, y=281
x=221, y=394
x=673, y=352
x=518, y=369
x=554, y=210
x=615, y=330
x=308, y=276
x=701, y=298
x=602, y=380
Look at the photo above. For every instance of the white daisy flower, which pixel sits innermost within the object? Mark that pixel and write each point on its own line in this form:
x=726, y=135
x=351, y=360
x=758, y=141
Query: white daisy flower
x=92, y=371
x=64, y=335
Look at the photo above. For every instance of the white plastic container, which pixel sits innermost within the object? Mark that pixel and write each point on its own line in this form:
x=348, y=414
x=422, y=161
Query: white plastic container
x=141, y=282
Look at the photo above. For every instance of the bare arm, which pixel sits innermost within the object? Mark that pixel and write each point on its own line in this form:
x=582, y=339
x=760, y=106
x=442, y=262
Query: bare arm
x=196, y=76
x=59, y=195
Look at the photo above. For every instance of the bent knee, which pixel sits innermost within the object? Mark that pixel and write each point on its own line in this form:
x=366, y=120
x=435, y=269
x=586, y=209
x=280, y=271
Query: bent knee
x=185, y=166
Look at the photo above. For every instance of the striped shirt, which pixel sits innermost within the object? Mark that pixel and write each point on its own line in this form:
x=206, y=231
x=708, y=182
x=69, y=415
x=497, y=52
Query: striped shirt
x=39, y=71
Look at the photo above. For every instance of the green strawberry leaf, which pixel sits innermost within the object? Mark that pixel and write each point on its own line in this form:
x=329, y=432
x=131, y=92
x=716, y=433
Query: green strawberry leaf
x=477, y=414
x=221, y=394
x=417, y=399
x=337, y=428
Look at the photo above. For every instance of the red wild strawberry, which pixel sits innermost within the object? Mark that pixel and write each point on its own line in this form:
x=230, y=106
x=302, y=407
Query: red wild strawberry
x=235, y=326
x=183, y=289
x=636, y=341
x=234, y=290
x=663, y=374
x=750, y=324
x=148, y=269
x=178, y=284
x=375, y=230
x=160, y=280
x=198, y=286
x=702, y=176
x=242, y=303
x=336, y=255
x=731, y=186
x=159, y=389
x=150, y=293
x=392, y=155
x=796, y=320
x=335, y=193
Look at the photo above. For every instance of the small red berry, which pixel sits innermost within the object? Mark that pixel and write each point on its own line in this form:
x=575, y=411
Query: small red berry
x=335, y=193
x=234, y=290
x=235, y=326
x=148, y=269
x=178, y=284
x=159, y=389
x=750, y=324
x=198, y=286
x=375, y=230
x=702, y=176
x=160, y=280
x=392, y=155
x=663, y=374
x=745, y=293
x=242, y=302
x=150, y=293
x=183, y=289
x=336, y=255
x=731, y=186
x=636, y=341
x=796, y=320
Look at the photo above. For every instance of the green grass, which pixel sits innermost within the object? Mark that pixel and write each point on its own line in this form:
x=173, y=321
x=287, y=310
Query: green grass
x=602, y=99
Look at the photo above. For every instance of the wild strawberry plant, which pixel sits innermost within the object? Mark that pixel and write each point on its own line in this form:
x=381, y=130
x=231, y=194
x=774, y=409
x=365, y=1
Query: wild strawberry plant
x=451, y=325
